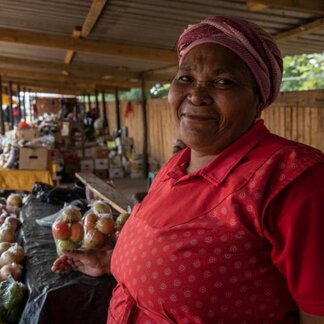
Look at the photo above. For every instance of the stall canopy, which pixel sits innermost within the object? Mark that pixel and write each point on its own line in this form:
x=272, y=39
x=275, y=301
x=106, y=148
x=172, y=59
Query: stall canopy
x=73, y=46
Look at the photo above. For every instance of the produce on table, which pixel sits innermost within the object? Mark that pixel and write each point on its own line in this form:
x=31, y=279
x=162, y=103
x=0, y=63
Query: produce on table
x=15, y=253
x=13, y=297
x=7, y=233
x=13, y=221
x=14, y=200
x=4, y=246
x=13, y=270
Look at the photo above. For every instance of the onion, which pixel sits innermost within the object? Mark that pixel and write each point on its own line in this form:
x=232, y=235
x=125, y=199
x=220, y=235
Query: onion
x=13, y=269
x=14, y=200
x=4, y=246
x=14, y=254
x=7, y=233
x=101, y=207
x=13, y=221
x=71, y=214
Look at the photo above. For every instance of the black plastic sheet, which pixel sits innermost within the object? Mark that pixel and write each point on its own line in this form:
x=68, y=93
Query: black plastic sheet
x=57, y=298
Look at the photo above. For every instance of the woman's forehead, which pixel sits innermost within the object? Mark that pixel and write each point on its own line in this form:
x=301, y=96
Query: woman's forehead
x=214, y=57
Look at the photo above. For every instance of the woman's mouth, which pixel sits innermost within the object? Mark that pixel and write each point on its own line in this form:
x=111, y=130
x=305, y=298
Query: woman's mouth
x=197, y=117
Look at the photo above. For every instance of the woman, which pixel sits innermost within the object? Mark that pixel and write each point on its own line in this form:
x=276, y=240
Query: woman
x=230, y=229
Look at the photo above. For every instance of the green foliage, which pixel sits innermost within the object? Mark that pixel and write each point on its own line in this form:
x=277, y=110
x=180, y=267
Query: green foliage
x=303, y=72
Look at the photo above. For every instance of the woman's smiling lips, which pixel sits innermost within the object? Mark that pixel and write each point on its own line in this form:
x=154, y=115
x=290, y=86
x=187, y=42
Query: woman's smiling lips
x=197, y=117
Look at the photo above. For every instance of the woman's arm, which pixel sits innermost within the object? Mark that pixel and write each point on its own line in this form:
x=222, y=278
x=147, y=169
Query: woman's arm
x=93, y=263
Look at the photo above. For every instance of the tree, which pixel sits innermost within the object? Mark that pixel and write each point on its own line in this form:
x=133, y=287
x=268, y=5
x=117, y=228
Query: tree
x=303, y=72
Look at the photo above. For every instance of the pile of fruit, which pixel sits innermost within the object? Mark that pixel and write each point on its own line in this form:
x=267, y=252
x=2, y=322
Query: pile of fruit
x=11, y=254
x=13, y=294
x=96, y=229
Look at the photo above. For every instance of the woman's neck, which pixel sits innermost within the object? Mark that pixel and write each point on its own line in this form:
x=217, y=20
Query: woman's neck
x=199, y=160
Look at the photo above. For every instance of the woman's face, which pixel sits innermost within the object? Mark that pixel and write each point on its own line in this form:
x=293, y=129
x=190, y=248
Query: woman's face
x=213, y=98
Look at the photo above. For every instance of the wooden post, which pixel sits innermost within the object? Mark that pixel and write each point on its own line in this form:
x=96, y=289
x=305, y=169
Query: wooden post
x=117, y=104
x=2, y=124
x=11, y=123
x=31, y=110
x=144, y=103
x=104, y=111
x=19, y=102
x=24, y=101
x=89, y=102
x=97, y=104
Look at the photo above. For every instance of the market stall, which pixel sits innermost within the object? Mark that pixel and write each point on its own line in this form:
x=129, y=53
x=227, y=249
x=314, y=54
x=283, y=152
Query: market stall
x=55, y=298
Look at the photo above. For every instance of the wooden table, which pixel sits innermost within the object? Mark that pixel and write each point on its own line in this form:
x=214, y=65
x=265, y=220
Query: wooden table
x=23, y=180
x=105, y=191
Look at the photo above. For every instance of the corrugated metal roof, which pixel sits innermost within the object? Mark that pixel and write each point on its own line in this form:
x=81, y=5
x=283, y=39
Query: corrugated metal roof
x=143, y=23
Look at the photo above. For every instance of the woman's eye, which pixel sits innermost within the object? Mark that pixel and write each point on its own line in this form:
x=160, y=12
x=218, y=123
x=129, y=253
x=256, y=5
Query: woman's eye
x=185, y=78
x=223, y=83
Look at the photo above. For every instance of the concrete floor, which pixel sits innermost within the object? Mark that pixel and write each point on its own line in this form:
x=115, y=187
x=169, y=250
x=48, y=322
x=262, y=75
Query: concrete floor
x=129, y=187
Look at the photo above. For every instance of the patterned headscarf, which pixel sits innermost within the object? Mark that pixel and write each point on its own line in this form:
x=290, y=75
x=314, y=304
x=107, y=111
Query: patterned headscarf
x=247, y=40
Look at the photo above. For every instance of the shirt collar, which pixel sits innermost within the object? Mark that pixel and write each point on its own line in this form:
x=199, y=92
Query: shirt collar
x=218, y=169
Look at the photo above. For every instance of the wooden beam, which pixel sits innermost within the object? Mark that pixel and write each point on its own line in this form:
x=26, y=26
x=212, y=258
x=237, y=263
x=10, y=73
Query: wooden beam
x=2, y=121
x=300, y=30
x=95, y=11
x=62, y=78
x=101, y=70
x=70, y=53
x=312, y=6
x=62, y=85
x=89, y=45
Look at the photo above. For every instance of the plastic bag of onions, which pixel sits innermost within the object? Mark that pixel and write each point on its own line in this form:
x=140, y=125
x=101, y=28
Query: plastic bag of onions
x=67, y=230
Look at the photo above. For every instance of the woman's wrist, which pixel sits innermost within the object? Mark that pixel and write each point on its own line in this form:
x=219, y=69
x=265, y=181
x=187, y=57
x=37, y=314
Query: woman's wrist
x=105, y=262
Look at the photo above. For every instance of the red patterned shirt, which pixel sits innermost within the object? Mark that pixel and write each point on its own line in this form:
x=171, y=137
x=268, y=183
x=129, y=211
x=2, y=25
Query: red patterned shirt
x=238, y=241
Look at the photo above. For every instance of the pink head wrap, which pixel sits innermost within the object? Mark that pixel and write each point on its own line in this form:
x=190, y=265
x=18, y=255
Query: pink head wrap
x=248, y=41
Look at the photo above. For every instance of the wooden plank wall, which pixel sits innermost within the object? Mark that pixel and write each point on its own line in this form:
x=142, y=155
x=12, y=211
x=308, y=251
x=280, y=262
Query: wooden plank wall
x=296, y=115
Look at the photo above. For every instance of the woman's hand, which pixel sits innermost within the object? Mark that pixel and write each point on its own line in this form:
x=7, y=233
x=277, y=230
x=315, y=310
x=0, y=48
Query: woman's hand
x=93, y=263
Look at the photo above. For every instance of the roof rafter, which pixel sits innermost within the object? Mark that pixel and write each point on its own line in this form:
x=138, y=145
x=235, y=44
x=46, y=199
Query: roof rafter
x=95, y=11
x=300, y=30
x=313, y=6
x=88, y=45
x=13, y=73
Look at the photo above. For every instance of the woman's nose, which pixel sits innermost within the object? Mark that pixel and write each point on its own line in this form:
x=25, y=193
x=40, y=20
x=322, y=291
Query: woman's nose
x=199, y=95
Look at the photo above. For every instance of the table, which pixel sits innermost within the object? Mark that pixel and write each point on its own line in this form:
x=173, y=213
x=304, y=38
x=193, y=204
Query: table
x=105, y=192
x=57, y=298
x=23, y=179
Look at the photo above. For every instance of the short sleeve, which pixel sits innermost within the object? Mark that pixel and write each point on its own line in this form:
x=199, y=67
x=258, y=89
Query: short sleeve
x=294, y=224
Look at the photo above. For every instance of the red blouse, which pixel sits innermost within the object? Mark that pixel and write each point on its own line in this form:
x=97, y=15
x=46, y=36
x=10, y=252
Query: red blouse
x=238, y=241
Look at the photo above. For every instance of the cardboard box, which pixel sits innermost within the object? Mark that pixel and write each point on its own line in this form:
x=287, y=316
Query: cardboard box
x=136, y=174
x=115, y=173
x=87, y=165
x=100, y=152
x=102, y=174
x=101, y=164
x=88, y=152
x=115, y=161
x=79, y=152
x=65, y=130
x=33, y=158
x=27, y=134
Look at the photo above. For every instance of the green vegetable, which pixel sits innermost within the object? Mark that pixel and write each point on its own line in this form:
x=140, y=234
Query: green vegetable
x=12, y=300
